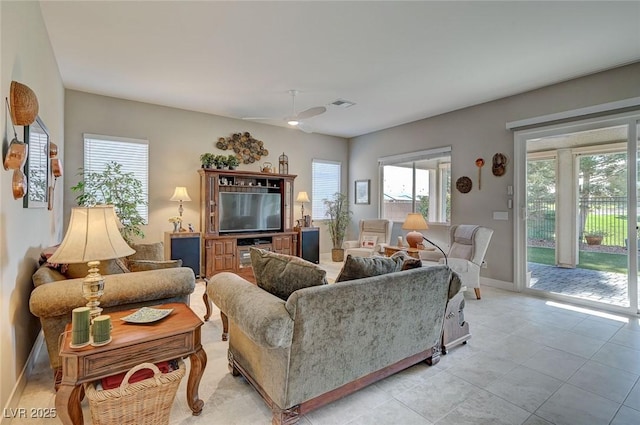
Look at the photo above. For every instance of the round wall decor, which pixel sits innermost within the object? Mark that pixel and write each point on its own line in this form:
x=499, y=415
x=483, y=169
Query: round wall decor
x=464, y=184
x=247, y=148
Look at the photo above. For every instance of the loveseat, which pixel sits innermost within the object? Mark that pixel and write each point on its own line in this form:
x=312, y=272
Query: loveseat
x=55, y=294
x=324, y=342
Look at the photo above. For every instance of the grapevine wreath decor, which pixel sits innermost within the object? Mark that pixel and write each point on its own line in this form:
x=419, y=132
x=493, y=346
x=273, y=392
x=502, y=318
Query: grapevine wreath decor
x=246, y=148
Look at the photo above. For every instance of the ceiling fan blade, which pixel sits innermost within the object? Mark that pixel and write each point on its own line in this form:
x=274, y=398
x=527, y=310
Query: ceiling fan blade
x=304, y=127
x=258, y=118
x=311, y=112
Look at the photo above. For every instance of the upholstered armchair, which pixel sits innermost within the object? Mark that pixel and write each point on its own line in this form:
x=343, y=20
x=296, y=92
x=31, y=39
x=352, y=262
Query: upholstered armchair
x=374, y=234
x=468, y=246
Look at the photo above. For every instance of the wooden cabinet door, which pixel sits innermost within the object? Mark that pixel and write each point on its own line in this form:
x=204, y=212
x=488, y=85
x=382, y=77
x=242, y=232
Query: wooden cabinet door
x=220, y=255
x=282, y=245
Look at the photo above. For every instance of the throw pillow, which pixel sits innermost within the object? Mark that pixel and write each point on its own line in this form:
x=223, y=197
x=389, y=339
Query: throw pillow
x=361, y=267
x=106, y=267
x=144, y=265
x=281, y=275
x=408, y=262
x=369, y=241
x=148, y=251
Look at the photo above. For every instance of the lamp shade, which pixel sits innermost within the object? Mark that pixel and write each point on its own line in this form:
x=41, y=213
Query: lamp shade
x=92, y=236
x=414, y=222
x=180, y=194
x=302, y=197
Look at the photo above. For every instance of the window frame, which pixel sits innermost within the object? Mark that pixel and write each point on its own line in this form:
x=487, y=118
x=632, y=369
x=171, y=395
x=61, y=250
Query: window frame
x=318, y=210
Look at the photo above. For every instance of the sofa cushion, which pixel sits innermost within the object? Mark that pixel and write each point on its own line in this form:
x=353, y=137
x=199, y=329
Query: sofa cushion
x=361, y=267
x=106, y=267
x=147, y=251
x=408, y=262
x=281, y=275
x=144, y=265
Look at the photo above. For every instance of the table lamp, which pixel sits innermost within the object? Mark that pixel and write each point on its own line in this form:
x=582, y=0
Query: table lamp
x=302, y=198
x=92, y=236
x=414, y=222
x=180, y=194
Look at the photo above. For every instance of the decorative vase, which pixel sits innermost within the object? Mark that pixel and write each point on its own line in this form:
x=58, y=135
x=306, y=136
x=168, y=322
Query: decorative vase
x=176, y=226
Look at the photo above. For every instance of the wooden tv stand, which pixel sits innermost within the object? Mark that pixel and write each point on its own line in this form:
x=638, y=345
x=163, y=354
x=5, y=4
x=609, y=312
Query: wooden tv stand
x=230, y=251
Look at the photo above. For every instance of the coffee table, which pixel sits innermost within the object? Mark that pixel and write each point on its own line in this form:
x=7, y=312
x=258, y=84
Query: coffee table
x=175, y=336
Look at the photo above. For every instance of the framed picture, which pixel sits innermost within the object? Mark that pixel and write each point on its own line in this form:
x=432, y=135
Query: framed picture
x=36, y=167
x=363, y=192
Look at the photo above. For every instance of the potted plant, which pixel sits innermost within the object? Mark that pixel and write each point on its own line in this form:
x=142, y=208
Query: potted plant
x=220, y=161
x=114, y=187
x=339, y=216
x=594, y=237
x=207, y=160
x=232, y=161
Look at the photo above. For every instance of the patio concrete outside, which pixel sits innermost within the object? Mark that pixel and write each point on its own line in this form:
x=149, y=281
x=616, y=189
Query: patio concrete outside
x=606, y=287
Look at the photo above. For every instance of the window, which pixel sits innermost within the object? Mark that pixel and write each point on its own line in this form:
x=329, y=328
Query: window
x=132, y=154
x=325, y=181
x=417, y=182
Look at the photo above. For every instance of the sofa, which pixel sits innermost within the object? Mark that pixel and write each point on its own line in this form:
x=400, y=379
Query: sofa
x=58, y=291
x=326, y=341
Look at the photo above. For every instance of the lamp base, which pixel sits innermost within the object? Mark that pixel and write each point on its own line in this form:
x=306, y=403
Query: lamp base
x=93, y=288
x=413, y=239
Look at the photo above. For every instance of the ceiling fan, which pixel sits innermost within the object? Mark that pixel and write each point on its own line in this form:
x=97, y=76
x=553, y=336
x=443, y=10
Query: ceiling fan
x=296, y=120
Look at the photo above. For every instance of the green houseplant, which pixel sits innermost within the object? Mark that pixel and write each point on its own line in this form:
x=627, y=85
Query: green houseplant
x=339, y=216
x=232, y=161
x=113, y=186
x=220, y=161
x=207, y=160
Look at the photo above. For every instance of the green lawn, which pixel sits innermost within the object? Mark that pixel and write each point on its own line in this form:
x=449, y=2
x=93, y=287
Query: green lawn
x=588, y=260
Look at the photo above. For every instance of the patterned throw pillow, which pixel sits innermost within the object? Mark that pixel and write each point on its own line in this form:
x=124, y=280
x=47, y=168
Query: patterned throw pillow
x=369, y=241
x=361, y=267
x=144, y=265
x=281, y=275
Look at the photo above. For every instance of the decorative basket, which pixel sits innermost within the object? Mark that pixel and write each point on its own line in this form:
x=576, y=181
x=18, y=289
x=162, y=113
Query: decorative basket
x=24, y=104
x=145, y=402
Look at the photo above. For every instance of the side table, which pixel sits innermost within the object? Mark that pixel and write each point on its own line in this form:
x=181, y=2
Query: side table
x=389, y=250
x=176, y=336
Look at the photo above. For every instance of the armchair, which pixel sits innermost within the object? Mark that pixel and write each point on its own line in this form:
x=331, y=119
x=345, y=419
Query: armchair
x=374, y=234
x=468, y=246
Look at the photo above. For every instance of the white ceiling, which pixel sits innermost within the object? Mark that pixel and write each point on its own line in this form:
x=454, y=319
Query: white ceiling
x=398, y=61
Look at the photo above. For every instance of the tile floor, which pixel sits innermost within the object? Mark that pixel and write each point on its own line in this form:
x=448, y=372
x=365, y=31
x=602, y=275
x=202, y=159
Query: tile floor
x=528, y=362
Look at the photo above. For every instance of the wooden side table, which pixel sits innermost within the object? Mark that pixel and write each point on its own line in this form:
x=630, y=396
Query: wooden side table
x=176, y=336
x=389, y=250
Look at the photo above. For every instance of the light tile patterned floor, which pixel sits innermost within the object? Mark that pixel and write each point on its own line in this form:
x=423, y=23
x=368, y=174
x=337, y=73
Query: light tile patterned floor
x=528, y=362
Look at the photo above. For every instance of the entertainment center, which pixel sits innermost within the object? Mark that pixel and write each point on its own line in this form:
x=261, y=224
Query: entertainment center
x=240, y=209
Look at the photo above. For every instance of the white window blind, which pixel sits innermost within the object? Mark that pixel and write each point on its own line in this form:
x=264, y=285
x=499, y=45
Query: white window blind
x=325, y=180
x=131, y=154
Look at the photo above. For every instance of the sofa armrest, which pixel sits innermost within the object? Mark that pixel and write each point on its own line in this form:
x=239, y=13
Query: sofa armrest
x=260, y=315
x=59, y=298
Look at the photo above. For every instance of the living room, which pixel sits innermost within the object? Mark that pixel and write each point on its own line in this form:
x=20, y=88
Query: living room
x=178, y=136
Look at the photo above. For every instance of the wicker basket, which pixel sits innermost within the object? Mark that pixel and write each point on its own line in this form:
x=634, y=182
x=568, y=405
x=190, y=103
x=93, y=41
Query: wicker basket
x=145, y=402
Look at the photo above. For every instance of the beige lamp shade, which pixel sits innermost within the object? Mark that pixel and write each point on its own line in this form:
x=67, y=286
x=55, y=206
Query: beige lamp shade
x=180, y=194
x=414, y=222
x=92, y=236
x=302, y=197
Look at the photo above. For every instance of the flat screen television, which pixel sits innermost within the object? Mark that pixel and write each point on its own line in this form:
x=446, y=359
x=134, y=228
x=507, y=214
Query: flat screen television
x=249, y=212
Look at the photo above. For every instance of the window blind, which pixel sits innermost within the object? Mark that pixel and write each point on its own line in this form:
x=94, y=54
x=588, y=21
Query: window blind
x=325, y=180
x=132, y=154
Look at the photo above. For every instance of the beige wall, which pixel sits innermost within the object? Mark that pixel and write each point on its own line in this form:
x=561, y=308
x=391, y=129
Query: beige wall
x=176, y=140
x=479, y=131
x=27, y=57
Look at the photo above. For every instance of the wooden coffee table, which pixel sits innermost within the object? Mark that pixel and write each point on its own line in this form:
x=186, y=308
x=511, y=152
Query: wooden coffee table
x=175, y=336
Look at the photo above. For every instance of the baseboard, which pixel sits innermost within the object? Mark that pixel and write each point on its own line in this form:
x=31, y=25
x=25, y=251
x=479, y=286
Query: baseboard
x=495, y=283
x=21, y=383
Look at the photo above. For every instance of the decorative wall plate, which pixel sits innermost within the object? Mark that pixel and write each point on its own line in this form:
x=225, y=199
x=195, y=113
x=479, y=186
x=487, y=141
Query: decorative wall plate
x=246, y=148
x=499, y=165
x=464, y=184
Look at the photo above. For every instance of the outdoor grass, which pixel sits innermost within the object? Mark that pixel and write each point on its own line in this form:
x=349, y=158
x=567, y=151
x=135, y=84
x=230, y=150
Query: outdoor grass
x=601, y=261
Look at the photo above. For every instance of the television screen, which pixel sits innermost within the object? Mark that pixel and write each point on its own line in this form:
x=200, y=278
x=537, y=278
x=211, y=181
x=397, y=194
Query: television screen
x=247, y=212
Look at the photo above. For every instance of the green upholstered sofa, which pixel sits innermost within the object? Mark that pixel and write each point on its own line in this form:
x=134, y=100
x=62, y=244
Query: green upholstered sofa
x=327, y=341
x=56, y=294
